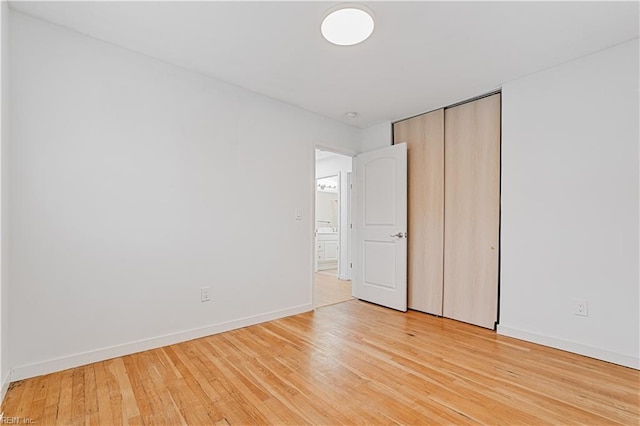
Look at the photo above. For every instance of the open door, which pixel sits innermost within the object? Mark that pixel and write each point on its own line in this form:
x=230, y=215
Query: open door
x=380, y=221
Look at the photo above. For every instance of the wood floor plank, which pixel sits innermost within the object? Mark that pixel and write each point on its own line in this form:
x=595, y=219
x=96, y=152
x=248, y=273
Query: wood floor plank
x=164, y=404
x=105, y=414
x=38, y=404
x=251, y=403
x=196, y=406
x=351, y=363
x=24, y=408
x=77, y=396
x=114, y=392
x=144, y=400
x=52, y=399
x=129, y=408
x=90, y=390
x=63, y=415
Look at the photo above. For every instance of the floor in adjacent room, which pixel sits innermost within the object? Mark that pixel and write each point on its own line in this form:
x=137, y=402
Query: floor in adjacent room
x=328, y=289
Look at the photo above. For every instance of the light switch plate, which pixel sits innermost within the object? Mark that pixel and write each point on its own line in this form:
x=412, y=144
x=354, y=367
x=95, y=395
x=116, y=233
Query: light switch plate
x=205, y=294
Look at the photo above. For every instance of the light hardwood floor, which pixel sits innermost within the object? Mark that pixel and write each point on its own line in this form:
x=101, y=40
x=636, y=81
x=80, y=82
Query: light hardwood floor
x=328, y=289
x=349, y=363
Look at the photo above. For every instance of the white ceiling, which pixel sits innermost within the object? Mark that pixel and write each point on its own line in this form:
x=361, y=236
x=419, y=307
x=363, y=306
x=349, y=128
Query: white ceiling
x=421, y=56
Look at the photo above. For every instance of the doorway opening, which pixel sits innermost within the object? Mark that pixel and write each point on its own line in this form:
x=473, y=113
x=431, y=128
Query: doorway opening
x=332, y=241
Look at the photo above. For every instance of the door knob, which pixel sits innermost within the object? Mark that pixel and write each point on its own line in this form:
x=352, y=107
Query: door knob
x=399, y=235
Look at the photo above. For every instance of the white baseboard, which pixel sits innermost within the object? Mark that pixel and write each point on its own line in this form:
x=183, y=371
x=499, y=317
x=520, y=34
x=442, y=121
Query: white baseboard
x=5, y=386
x=76, y=360
x=569, y=346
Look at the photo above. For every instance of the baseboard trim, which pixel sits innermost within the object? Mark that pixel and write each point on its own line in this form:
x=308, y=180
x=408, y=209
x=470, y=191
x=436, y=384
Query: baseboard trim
x=569, y=346
x=77, y=360
x=6, y=380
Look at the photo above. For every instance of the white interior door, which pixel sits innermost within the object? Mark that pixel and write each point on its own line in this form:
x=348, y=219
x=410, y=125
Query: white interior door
x=380, y=221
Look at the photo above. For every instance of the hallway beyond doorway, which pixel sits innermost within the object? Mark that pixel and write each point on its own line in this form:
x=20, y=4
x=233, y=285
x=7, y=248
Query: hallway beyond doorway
x=329, y=290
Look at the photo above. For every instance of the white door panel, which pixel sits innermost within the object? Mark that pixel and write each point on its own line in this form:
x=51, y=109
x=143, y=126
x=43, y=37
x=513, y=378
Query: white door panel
x=380, y=221
x=379, y=189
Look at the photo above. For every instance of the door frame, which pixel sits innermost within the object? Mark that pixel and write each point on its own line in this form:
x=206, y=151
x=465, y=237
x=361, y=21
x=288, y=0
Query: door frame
x=346, y=153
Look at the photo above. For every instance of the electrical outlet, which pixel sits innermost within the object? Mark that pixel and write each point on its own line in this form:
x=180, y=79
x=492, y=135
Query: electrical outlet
x=581, y=307
x=205, y=294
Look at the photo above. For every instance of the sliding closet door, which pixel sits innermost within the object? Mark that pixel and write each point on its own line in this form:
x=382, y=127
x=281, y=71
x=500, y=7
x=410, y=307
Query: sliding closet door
x=424, y=136
x=472, y=211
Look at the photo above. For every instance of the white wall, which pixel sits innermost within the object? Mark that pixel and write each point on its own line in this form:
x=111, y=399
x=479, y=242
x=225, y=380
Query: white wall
x=133, y=184
x=570, y=206
x=340, y=165
x=330, y=166
x=375, y=137
x=4, y=229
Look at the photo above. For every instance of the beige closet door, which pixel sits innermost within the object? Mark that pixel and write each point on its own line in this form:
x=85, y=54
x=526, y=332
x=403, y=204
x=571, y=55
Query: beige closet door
x=424, y=136
x=472, y=211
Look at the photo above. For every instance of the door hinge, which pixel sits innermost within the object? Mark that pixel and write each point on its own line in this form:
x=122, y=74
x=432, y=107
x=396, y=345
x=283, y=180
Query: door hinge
x=350, y=265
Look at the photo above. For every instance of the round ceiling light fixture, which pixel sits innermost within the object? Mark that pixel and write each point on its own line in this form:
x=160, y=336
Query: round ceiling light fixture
x=347, y=24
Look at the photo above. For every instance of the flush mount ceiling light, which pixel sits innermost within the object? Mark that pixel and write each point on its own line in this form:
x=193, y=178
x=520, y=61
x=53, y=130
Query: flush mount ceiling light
x=351, y=114
x=347, y=25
